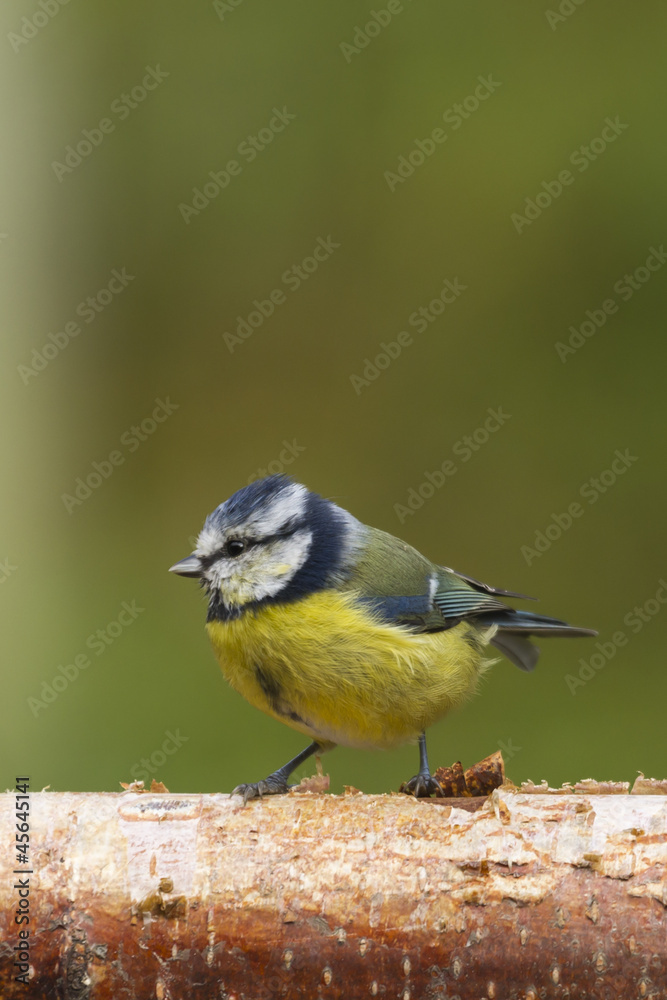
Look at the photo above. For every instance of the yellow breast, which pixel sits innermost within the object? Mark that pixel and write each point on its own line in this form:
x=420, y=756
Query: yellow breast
x=329, y=668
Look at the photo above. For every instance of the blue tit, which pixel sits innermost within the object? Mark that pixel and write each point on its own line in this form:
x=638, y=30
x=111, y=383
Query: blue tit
x=342, y=631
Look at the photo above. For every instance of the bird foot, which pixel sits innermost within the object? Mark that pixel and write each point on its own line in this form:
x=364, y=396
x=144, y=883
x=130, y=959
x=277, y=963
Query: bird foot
x=275, y=784
x=422, y=786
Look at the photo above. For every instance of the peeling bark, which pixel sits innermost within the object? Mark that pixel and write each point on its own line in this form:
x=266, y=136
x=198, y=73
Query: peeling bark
x=519, y=895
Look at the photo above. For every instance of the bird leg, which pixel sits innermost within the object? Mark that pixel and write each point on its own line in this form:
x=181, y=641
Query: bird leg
x=423, y=784
x=276, y=783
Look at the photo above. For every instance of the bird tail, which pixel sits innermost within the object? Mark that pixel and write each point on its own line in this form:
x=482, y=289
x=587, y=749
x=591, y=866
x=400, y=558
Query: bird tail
x=514, y=627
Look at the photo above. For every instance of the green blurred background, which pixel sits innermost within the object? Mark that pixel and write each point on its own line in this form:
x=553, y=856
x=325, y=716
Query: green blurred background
x=68, y=567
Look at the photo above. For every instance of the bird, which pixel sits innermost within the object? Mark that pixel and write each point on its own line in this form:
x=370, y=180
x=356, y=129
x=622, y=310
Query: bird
x=342, y=631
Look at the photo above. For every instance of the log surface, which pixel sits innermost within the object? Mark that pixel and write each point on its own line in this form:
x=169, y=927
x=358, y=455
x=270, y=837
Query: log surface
x=308, y=895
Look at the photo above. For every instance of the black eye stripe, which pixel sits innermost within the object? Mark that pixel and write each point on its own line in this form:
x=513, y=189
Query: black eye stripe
x=277, y=536
x=286, y=532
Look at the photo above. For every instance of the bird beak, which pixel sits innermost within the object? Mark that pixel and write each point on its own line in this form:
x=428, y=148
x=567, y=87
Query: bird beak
x=190, y=566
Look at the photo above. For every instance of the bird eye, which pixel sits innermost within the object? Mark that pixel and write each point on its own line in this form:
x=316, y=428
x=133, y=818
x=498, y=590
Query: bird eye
x=235, y=547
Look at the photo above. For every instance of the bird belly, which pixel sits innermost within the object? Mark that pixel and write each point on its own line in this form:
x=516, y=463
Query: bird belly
x=326, y=666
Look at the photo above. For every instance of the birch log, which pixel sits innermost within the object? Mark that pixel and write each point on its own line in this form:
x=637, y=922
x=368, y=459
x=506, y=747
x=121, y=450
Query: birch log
x=519, y=895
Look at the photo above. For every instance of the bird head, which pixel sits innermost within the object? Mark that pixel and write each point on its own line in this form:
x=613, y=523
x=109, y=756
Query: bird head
x=273, y=540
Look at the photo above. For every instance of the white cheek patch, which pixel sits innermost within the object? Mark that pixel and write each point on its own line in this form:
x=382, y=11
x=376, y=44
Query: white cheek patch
x=280, y=562
x=263, y=571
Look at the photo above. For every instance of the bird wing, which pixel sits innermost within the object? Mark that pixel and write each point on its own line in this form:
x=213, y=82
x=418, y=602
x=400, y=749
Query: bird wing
x=406, y=588
x=457, y=601
x=487, y=588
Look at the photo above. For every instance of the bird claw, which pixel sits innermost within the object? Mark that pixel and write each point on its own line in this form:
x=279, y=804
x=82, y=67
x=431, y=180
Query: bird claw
x=422, y=786
x=272, y=785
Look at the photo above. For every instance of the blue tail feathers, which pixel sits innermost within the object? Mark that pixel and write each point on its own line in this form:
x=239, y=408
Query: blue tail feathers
x=514, y=627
